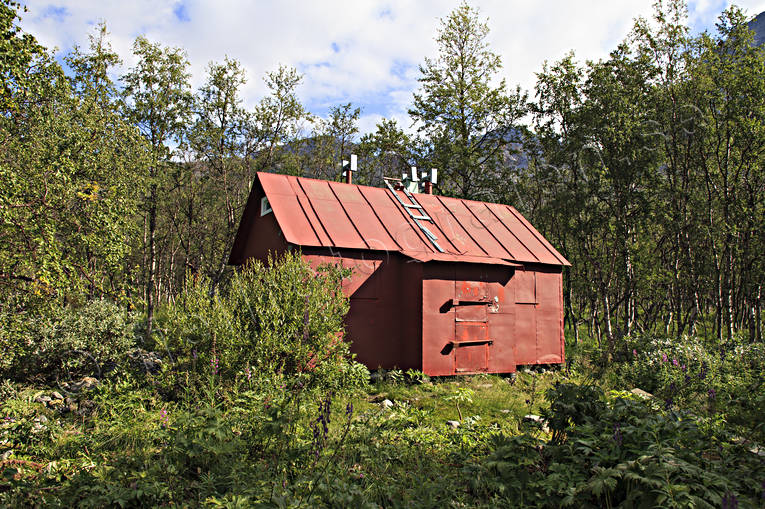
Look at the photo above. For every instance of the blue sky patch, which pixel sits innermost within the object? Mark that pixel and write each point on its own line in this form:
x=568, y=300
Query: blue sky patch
x=182, y=13
x=56, y=12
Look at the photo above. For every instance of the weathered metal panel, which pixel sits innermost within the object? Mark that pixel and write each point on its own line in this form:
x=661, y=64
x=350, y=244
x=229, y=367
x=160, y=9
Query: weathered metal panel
x=475, y=229
x=381, y=324
x=313, y=213
x=372, y=231
x=467, y=319
x=527, y=235
x=525, y=287
x=549, y=318
x=438, y=318
x=472, y=312
x=333, y=217
x=471, y=358
x=470, y=332
x=471, y=291
x=525, y=334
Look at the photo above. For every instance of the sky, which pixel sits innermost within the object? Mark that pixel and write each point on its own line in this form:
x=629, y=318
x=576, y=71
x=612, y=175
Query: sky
x=364, y=52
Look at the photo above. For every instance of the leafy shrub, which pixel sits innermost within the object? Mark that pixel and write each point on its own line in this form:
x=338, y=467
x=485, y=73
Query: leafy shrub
x=73, y=342
x=624, y=453
x=274, y=322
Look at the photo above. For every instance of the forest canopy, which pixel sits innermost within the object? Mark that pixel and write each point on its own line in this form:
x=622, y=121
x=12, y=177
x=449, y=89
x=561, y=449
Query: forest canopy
x=644, y=169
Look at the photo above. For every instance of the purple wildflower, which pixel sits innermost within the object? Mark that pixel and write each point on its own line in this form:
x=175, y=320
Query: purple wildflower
x=247, y=373
x=712, y=393
x=664, y=358
x=729, y=501
x=634, y=353
x=349, y=409
x=214, y=364
x=683, y=368
x=618, y=434
x=165, y=421
x=194, y=353
x=675, y=363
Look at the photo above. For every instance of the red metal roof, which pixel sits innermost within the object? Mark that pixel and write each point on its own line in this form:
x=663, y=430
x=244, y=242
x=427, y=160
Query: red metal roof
x=333, y=214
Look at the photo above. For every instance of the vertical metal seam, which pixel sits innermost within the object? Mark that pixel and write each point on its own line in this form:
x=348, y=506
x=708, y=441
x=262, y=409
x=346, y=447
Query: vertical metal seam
x=326, y=232
x=382, y=223
x=513, y=234
x=539, y=238
x=350, y=219
x=462, y=226
x=488, y=230
x=297, y=198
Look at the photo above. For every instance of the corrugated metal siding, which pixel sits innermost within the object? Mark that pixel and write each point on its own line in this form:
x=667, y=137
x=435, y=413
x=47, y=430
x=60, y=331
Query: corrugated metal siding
x=319, y=213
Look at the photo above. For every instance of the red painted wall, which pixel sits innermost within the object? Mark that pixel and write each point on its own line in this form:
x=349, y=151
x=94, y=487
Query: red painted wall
x=488, y=318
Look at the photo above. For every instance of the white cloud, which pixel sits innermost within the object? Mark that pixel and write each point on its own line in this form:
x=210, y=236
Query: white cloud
x=363, y=52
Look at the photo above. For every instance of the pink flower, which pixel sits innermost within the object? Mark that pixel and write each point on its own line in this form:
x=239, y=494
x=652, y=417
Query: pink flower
x=674, y=362
x=634, y=353
x=664, y=357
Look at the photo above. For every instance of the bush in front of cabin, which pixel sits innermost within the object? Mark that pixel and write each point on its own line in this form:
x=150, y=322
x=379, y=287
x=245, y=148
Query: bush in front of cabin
x=273, y=324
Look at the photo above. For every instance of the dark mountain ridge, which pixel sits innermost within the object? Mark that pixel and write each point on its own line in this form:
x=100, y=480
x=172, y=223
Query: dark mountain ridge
x=757, y=25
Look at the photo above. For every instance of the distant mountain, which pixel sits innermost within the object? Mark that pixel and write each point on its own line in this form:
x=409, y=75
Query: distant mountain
x=758, y=25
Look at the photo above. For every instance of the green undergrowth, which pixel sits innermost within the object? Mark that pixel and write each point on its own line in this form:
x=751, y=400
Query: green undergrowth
x=241, y=447
x=385, y=445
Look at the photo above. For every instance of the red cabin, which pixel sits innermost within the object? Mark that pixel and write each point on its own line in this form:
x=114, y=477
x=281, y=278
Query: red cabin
x=442, y=285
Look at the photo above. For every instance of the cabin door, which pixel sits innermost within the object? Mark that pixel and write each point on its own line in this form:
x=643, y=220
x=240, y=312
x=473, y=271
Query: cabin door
x=471, y=344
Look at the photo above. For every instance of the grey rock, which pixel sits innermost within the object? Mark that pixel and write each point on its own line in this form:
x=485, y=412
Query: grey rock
x=453, y=424
x=85, y=383
x=640, y=392
x=536, y=420
x=56, y=395
x=42, y=399
x=41, y=419
x=387, y=403
x=143, y=360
